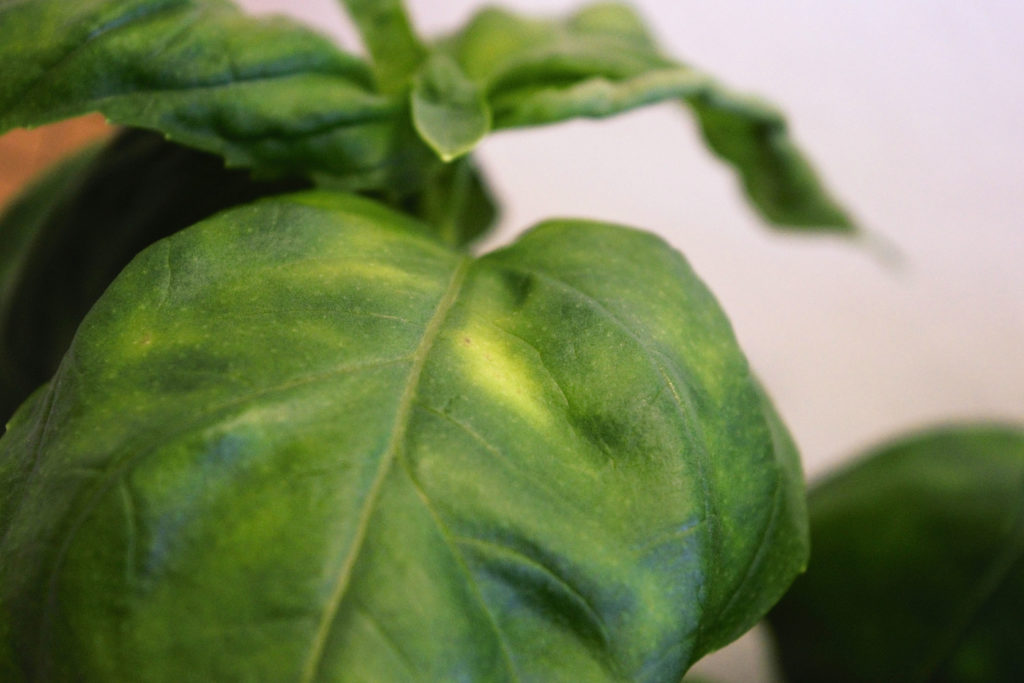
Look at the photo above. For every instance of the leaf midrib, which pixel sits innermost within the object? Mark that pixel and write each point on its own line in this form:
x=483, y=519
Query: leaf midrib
x=430, y=334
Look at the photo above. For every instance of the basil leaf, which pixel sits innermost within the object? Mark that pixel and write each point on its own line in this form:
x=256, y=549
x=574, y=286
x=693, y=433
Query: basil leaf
x=390, y=40
x=448, y=110
x=304, y=440
x=66, y=238
x=263, y=93
x=601, y=61
x=917, y=572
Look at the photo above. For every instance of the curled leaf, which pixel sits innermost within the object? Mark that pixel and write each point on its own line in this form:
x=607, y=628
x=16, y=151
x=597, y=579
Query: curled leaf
x=602, y=61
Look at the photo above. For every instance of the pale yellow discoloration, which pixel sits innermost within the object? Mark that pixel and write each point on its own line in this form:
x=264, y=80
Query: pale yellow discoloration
x=254, y=418
x=493, y=362
x=377, y=272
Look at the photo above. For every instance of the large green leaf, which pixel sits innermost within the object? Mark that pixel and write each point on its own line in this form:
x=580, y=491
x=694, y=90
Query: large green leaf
x=917, y=572
x=303, y=440
x=601, y=61
x=263, y=93
x=66, y=238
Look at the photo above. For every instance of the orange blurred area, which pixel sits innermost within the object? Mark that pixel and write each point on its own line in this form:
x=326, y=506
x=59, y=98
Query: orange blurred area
x=24, y=153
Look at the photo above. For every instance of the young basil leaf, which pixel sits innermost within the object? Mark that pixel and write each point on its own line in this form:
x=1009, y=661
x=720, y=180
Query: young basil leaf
x=448, y=110
x=263, y=93
x=390, y=40
x=66, y=238
x=304, y=440
x=917, y=572
x=601, y=61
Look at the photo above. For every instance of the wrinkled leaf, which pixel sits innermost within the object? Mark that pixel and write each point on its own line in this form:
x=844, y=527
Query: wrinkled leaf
x=301, y=441
x=601, y=61
x=263, y=93
x=390, y=40
x=66, y=238
x=448, y=110
x=917, y=569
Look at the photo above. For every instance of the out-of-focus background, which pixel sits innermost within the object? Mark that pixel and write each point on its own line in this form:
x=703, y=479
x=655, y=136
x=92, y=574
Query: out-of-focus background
x=913, y=113
x=24, y=153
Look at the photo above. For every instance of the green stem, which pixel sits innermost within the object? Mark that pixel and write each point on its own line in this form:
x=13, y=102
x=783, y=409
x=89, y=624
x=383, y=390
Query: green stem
x=387, y=33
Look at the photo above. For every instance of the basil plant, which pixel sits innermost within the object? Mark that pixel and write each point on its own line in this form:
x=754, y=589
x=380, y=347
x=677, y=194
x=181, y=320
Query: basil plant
x=272, y=418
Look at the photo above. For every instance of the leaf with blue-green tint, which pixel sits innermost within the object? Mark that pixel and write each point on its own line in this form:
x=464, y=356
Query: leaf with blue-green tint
x=303, y=440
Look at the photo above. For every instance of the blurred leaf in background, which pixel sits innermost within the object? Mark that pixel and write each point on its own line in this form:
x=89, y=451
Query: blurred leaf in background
x=917, y=565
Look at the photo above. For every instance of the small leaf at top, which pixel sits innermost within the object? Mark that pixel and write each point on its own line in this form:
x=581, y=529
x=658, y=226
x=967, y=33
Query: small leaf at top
x=917, y=569
x=448, y=109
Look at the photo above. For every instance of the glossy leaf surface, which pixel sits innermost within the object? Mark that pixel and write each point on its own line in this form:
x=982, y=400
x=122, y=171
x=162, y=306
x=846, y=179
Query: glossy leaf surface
x=601, y=61
x=304, y=441
x=263, y=93
x=66, y=238
x=917, y=569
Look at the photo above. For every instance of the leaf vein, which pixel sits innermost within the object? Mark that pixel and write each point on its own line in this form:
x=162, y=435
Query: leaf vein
x=523, y=558
x=762, y=543
x=391, y=452
x=539, y=483
x=474, y=587
x=117, y=468
x=393, y=644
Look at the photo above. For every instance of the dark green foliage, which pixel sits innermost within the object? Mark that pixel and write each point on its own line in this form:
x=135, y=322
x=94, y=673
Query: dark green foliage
x=917, y=571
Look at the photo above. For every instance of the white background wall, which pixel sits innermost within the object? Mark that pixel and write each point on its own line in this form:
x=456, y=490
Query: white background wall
x=914, y=114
